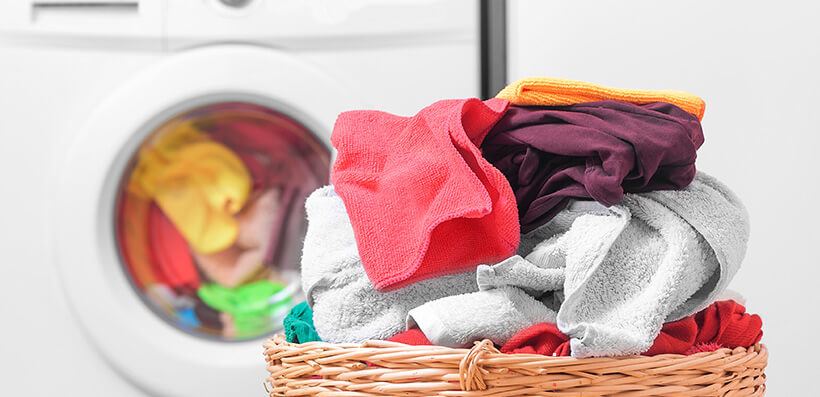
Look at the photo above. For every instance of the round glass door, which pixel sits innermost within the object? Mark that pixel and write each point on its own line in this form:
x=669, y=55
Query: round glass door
x=210, y=217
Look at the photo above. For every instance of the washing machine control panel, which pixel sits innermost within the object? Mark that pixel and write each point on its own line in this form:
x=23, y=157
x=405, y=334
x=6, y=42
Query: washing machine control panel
x=173, y=24
x=235, y=3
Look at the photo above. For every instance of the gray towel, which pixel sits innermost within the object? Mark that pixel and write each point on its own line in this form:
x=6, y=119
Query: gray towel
x=519, y=272
x=514, y=294
x=719, y=216
x=659, y=257
x=496, y=314
x=346, y=307
x=655, y=257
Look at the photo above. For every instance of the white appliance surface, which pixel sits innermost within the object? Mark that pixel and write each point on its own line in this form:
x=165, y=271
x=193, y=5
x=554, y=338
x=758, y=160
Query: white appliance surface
x=755, y=64
x=72, y=325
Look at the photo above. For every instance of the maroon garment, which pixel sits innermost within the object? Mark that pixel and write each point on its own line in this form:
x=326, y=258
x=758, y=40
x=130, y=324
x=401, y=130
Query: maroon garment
x=593, y=150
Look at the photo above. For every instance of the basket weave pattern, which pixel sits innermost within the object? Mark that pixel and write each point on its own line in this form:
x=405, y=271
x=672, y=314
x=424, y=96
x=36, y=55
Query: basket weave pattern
x=381, y=368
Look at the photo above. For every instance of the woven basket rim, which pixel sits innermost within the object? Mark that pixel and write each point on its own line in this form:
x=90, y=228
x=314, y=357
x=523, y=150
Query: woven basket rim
x=280, y=341
x=382, y=368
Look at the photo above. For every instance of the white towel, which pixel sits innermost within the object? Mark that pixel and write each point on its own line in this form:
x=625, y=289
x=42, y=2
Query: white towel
x=655, y=257
x=346, y=307
x=658, y=257
x=496, y=314
x=519, y=272
x=514, y=294
x=719, y=216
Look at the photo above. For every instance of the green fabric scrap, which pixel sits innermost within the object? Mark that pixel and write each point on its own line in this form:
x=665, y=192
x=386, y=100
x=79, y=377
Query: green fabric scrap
x=299, y=325
x=252, y=305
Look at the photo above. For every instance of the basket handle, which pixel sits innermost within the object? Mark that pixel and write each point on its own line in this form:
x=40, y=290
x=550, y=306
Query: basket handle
x=470, y=374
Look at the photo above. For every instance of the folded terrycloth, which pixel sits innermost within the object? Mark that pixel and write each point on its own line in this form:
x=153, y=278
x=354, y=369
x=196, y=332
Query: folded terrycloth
x=346, y=306
x=594, y=150
x=495, y=314
x=628, y=269
x=559, y=224
x=506, y=303
x=298, y=325
x=410, y=184
x=543, y=91
x=518, y=272
x=720, y=218
x=659, y=257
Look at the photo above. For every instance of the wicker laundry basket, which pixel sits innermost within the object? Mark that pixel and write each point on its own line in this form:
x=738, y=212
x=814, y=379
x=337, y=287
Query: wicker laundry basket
x=380, y=368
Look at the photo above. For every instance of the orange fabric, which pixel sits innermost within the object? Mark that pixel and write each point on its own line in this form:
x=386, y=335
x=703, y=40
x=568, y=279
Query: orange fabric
x=544, y=91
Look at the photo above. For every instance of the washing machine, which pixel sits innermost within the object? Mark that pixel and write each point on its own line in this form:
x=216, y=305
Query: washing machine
x=155, y=155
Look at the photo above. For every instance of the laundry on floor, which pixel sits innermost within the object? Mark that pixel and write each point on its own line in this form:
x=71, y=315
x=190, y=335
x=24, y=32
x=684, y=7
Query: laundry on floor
x=559, y=218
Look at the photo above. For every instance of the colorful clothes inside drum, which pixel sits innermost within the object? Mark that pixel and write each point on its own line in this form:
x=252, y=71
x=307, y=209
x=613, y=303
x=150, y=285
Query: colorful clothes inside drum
x=210, y=217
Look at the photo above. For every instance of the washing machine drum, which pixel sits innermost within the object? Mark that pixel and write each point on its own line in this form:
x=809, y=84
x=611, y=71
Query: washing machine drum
x=179, y=213
x=210, y=217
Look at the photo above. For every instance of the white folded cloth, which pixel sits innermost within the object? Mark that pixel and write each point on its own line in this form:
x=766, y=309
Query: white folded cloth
x=346, y=306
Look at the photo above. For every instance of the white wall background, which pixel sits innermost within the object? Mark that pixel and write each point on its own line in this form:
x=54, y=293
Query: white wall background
x=757, y=66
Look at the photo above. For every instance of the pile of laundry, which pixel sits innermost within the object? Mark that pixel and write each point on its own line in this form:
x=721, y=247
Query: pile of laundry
x=559, y=218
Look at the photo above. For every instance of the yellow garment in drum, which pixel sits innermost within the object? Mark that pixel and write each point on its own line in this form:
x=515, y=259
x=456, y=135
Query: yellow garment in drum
x=198, y=183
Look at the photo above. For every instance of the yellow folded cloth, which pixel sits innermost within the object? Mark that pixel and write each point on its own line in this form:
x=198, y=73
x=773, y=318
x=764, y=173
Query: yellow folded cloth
x=199, y=184
x=544, y=91
x=158, y=153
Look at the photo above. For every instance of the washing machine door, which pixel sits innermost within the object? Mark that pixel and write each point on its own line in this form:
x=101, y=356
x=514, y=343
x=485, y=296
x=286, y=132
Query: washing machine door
x=178, y=216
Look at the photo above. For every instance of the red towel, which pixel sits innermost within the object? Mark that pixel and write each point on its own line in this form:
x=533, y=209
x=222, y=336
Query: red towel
x=722, y=324
x=170, y=253
x=422, y=200
x=703, y=347
x=675, y=338
x=543, y=338
x=413, y=337
x=728, y=324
